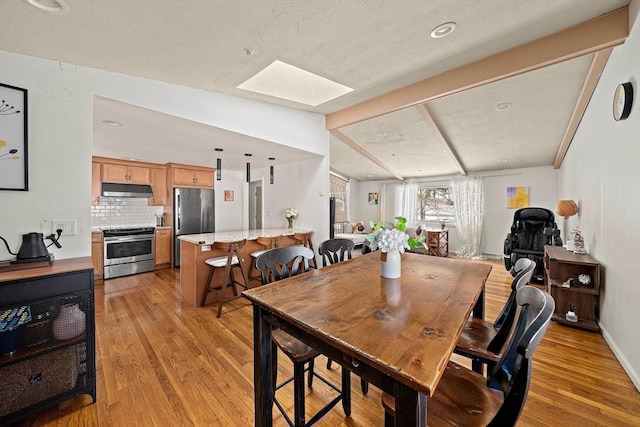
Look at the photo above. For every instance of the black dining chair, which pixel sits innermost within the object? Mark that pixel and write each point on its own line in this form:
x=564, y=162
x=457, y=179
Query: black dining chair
x=281, y=263
x=466, y=398
x=334, y=251
x=484, y=341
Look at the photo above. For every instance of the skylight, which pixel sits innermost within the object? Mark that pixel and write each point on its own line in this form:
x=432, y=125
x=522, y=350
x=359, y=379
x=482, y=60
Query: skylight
x=285, y=81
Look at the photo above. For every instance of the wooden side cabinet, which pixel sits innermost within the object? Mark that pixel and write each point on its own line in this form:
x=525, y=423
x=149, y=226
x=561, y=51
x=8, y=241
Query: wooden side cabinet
x=438, y=242
x=96, y=183
x=190, y=176
x=163, y=248
x=562, y=266
x=47, y=336
x=125, y=173
x=159, y=186
x=97, y=254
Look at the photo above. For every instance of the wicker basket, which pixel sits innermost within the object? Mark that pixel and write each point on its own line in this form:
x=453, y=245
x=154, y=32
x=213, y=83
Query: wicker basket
x=37, y=379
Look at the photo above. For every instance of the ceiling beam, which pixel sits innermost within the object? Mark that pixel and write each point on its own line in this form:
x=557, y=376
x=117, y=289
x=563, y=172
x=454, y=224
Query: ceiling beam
x=591, y=36
x=351, y=143
x=595, y=71
x=426, y=114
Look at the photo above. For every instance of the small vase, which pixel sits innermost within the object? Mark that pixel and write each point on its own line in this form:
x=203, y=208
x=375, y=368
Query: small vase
x=70, y=323
x=290, y=221
x=390, y=267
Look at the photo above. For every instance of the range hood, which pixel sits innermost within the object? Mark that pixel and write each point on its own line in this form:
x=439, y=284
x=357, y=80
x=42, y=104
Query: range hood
x=110, y=189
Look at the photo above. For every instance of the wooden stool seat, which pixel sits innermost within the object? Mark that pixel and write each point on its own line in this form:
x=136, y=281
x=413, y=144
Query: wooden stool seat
x=267, y=243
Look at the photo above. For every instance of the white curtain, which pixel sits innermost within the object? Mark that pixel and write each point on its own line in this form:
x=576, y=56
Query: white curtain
x=405, y=202
x=382, y=199
x=468, y=199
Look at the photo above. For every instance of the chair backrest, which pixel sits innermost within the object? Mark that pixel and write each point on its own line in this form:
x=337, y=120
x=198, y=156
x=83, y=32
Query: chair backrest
x=280, y=263
x=232, y=248
x=528, y=228
x=522, y=271
x=334, y=250
x=267, y=242
x=512, y=374
x=304, y=239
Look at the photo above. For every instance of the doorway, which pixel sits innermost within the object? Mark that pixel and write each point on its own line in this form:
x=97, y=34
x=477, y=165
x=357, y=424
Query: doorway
x=255, y=205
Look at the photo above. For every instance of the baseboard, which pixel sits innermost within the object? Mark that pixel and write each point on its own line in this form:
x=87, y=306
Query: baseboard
x=633, y=375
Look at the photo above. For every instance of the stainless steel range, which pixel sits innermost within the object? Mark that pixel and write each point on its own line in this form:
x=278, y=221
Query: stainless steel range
x=128, y=251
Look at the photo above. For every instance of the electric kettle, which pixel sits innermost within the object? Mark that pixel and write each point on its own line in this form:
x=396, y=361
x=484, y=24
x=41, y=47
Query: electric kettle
x=33, y=248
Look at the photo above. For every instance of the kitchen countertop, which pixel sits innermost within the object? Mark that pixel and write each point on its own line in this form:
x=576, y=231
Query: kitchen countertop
x=230, y=236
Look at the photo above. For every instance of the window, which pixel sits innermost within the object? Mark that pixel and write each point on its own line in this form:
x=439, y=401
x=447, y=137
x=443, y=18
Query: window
x=435, y=204
x=339, y=190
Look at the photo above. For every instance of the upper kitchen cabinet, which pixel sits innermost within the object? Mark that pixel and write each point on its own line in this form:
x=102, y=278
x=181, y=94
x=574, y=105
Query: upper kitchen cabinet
x=190, y=176
x=125, y=173
x=159, y=186
x=96, y=183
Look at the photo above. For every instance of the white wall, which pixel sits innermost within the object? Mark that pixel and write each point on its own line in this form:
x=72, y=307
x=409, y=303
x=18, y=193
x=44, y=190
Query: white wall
x=229, y=214
x=601, y=173
x=60, y=142
x=543, y=192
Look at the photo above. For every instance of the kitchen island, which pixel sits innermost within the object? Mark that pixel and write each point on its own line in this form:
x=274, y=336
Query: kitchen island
x=196, y=248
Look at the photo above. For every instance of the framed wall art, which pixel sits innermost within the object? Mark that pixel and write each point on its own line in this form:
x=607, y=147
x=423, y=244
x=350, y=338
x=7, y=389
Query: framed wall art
x=517, y=197
x=228, y=195
x=373, y=198
x=13, y=138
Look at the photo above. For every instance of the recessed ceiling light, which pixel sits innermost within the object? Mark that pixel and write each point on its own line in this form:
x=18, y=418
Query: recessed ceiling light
x=419, y=170
x=502, y=161
x=285, y=81
x=111, y=123
x=502, y=106
x=381, y=133
x=55, y=7
x=443, y=30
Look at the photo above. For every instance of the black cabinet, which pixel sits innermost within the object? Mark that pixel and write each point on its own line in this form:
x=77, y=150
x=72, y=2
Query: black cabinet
x=47, y=337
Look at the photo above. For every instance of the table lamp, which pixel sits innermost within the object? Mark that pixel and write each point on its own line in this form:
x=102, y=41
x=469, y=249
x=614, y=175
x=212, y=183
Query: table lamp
x=566, y=208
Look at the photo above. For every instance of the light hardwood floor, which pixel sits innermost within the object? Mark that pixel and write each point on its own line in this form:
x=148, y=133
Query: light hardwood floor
x=162, y=363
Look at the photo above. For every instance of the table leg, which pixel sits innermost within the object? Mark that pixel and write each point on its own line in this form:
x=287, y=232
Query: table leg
x=262, y=375
x=411, y=407
x=478, y=312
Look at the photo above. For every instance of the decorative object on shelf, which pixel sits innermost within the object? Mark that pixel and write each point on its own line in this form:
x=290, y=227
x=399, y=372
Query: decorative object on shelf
x=70, y=322
x=622, y=101
x=228, y=195
x=291, y=214
x=11, y=321
x=13, y=142
x=517, y=197
x=566, y=208
x=392, y=240
x=584, y=279
x=571, y=315
x=578, y=241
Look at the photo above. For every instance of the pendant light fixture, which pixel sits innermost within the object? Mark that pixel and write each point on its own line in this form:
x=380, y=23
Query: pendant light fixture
x=248, y=168
x=219, y=165
x=271, y=171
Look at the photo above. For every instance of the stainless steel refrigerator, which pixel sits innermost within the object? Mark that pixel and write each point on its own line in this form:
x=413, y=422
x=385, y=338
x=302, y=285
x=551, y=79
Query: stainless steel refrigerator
x=193, y=213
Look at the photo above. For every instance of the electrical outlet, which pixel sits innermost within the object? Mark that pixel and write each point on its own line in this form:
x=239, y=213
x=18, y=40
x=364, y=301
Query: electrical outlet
x=68, y=226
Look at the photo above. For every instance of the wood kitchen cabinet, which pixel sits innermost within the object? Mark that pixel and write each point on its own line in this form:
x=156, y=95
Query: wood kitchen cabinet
x=96, y=182
x=125, y=173
x=97, y=254
x=163, y=248
x=190, y=176
x=159, y=186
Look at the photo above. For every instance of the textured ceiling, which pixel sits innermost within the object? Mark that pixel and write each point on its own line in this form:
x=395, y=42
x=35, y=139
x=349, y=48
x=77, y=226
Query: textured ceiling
x=371, y=46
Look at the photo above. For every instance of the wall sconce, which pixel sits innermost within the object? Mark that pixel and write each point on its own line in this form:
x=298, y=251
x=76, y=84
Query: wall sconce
x=271, y=168
x=566, y=208
x=219, y=165
x=248, y=168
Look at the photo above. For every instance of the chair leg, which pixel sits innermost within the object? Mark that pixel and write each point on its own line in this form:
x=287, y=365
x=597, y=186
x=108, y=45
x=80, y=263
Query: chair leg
x=298, y=391
x=346, y=391
x=206, y=290
x=310, y=372
x=365, y=386
x=223, y=290
x=389, y=420
x=274, y=365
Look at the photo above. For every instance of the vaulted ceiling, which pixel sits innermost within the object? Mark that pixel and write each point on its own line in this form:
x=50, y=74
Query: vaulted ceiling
x=420, y=106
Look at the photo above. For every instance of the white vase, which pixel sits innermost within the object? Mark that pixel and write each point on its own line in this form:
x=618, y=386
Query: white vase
x=391, y=267
x=70, y=323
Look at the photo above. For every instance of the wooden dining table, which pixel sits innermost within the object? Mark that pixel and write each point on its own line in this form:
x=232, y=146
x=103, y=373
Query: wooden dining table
x=397, y=334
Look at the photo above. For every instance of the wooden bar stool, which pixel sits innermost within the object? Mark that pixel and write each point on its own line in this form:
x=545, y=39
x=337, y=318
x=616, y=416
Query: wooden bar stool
x=267, y=243
x=229, y=262
x=304, y=239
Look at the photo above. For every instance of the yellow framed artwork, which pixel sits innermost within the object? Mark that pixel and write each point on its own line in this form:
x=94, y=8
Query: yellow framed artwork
x=517, y=197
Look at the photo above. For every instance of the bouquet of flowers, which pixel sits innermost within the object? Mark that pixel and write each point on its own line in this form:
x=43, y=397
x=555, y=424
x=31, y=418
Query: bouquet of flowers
x=290, y=214
x=392, y=237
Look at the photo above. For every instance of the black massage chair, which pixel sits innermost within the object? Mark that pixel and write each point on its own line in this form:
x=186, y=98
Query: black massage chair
x=532, y=229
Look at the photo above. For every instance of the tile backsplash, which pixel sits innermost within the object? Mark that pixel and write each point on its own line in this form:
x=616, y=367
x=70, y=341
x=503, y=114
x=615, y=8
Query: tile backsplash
x=115, y=212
